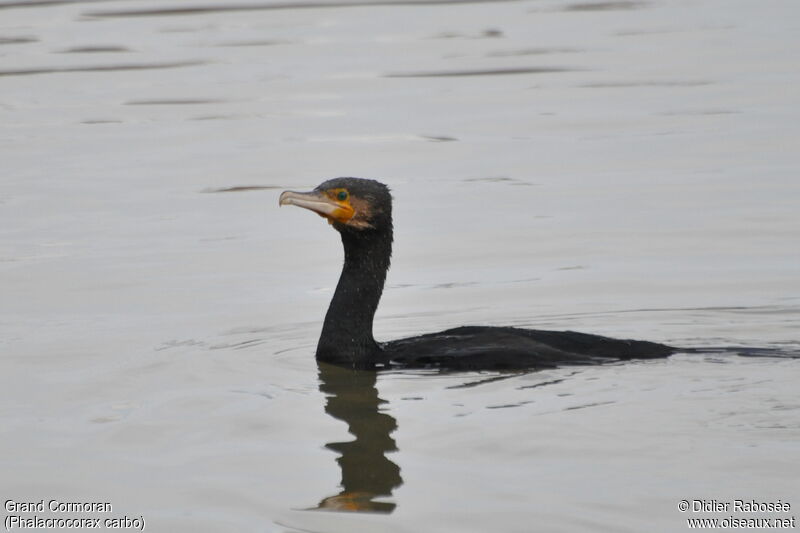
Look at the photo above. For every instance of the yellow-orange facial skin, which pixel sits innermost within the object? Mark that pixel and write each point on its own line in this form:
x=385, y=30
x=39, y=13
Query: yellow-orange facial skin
x=332, y=204
x=344, y=210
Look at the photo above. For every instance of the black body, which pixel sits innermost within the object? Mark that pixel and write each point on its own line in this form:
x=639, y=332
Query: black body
x=347, y=338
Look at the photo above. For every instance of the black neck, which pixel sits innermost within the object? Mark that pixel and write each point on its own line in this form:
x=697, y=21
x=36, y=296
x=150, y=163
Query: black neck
x=347, y=332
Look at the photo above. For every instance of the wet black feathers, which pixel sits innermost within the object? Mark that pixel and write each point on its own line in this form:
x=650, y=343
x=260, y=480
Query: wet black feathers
x=347, y=338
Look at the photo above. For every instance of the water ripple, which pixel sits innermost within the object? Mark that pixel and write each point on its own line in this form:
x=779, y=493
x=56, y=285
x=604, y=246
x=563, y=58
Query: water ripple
x=100, y=68
x=200, y=9
x=481, y=72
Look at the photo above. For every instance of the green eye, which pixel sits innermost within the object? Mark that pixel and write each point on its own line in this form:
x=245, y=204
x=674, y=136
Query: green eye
x=341, y=196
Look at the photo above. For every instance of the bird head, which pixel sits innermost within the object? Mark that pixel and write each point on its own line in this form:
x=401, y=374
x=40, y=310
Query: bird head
x=349, y=204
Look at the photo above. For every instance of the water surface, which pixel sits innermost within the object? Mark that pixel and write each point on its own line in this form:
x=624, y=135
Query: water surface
x=622, y=168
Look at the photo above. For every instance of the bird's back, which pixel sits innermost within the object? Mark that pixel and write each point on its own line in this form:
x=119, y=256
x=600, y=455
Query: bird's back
x=483, y=348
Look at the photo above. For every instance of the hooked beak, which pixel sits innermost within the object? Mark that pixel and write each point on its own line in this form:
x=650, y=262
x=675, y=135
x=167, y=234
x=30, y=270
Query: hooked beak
x=320, y=203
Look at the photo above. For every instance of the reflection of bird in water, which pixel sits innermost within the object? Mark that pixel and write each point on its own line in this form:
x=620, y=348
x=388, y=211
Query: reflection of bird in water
x=366, y=472
x=361, y=211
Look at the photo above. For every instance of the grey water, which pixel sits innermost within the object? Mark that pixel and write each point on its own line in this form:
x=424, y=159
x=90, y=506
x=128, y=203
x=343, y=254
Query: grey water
x=621, y=168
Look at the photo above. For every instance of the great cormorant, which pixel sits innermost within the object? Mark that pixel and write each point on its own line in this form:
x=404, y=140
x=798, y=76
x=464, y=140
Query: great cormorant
x=361, y=211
